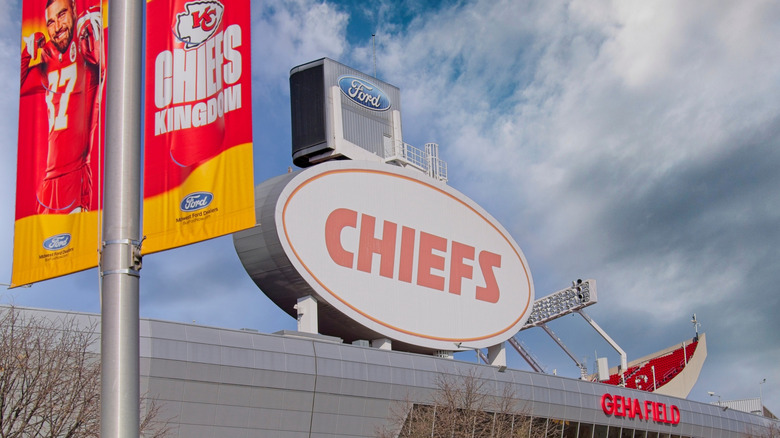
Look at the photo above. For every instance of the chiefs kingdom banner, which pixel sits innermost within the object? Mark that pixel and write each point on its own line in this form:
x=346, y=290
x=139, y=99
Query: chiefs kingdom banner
x=59, y=159
x=198, y=181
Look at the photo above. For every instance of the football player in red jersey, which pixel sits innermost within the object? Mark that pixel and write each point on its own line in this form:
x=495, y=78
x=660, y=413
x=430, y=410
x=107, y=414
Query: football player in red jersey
x=69, y=76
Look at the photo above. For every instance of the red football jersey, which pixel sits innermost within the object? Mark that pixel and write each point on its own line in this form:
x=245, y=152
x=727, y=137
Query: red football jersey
x=70, y=83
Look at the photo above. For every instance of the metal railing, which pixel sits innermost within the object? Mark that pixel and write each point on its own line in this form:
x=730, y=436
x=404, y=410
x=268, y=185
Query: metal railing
x=426, y=161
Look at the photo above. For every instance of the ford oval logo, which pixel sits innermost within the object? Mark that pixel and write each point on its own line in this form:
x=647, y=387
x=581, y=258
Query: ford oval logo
x=196, y=201
x=364, y=93
x=56, y=243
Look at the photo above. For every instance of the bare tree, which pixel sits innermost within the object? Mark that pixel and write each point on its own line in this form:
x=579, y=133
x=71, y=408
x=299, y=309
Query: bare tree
x=771, y=430
x=461, y=406
x=50, y=379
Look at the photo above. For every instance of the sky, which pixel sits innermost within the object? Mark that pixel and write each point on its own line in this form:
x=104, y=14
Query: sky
x=634, y=143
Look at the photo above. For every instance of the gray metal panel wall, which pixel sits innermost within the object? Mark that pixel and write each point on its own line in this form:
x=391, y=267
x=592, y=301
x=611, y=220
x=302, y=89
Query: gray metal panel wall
x=311, y=111
x=334, y=70
x=251, y=384
x=363, y=127
x=366, y=132
x=216, y=382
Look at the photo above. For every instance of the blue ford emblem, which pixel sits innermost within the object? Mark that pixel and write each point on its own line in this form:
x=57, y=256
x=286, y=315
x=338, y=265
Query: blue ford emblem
x=364, y=93
x=196, y=201
x=57, y=242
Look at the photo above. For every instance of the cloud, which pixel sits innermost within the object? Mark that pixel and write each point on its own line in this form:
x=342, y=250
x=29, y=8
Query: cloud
x=633, y=143
x=290, y=33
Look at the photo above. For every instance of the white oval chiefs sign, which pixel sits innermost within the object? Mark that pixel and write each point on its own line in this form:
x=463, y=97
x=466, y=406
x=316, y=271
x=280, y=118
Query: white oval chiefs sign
x=404, y=255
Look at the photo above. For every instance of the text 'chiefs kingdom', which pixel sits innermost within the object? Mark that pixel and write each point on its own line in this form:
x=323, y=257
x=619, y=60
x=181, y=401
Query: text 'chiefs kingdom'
x=197, y=84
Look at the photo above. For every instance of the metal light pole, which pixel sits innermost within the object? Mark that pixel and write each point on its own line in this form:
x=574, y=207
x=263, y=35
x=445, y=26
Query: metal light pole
x=653, y=368
x=712, y=394
x=761, y=395
x=120, y=264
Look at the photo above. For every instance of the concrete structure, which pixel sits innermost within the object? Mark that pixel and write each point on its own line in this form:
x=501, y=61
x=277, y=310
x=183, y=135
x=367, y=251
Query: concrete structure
x=672, y=371
x=347, y=234
x=216, y=382
x=752, y=405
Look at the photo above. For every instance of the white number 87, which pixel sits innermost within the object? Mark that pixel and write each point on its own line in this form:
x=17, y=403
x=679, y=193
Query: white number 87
x=65, y=77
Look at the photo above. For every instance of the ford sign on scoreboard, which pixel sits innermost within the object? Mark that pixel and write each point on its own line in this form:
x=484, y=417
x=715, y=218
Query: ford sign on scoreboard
x=388, y=253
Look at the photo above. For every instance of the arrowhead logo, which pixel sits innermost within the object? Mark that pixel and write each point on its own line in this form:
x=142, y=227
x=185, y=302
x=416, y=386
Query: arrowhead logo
x=200, y=21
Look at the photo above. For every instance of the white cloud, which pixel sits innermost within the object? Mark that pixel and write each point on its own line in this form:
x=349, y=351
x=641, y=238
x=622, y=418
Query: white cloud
x=630, y=142
x=635, y=143
x=289, y=33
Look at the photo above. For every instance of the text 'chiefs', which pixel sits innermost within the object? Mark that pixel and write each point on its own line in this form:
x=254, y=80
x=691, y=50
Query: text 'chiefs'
x=430, y=251
x=194, y=87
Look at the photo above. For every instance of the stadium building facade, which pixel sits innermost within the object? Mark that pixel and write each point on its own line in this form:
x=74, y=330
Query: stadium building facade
x=216, y=382
x=360, y=246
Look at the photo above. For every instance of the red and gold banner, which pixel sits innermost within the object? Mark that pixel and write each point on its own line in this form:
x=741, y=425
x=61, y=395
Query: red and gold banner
x=198, y=181
x=59, y=160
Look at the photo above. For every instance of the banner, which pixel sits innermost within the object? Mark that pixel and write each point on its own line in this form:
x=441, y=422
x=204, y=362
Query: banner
x=59, y=160
x=198, y=180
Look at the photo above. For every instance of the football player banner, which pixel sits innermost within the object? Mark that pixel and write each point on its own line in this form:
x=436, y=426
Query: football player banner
x=198, y=181
x=59, y=159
